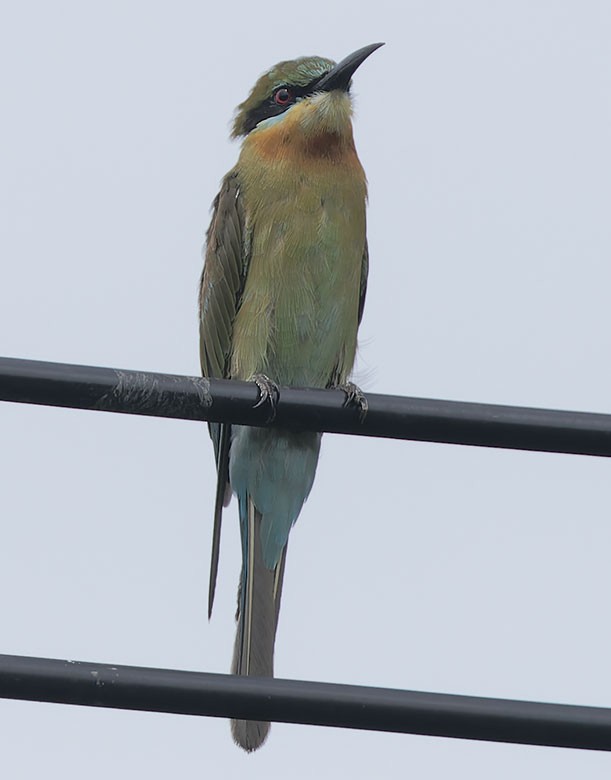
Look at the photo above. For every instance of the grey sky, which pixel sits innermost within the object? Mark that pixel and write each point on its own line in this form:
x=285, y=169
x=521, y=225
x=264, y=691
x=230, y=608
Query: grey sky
x=484, y=130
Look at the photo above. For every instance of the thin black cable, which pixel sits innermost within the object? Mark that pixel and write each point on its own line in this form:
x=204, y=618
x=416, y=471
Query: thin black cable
x=160, y=690
x=292, y=701
x=194, y=398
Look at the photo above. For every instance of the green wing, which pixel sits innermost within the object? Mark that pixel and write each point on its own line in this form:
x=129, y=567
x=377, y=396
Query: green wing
x=336, y=379
x=222, y=279
x=363, y=286
x=222, y=282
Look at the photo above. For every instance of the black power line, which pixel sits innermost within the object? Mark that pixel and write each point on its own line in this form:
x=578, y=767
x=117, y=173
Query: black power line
x=395, y=417
x=292, y=701
x=194, y=398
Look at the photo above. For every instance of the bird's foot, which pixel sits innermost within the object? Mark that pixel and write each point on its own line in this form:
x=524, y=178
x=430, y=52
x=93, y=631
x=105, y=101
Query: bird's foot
x=355, y=397
x=268, y=394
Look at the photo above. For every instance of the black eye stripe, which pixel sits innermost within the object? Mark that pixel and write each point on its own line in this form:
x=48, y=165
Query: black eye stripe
x=269, y=107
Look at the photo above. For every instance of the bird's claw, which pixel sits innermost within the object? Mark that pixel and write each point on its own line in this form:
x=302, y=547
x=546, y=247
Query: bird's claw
x=355, y=397
x=268, y=394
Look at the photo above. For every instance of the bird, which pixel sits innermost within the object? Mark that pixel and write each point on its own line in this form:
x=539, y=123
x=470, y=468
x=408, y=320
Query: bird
x=280, y=301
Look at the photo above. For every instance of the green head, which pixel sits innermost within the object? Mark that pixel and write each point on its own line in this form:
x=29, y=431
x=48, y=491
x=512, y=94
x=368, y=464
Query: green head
x=294, y=81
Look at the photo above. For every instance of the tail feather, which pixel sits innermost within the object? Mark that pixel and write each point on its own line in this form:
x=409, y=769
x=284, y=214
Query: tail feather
x=223, y=496
x=258, y=608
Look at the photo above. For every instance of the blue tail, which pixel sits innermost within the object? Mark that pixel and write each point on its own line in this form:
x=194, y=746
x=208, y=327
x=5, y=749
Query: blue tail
x=272, y=473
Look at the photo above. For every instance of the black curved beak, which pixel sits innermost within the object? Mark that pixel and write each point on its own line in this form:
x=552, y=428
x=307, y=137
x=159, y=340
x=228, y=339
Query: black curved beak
x=339, y=77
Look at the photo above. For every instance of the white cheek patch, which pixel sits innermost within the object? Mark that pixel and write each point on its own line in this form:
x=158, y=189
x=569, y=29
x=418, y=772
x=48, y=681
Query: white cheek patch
x=273, y=120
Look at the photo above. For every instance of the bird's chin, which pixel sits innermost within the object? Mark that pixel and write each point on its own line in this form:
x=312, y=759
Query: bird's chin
x=327, y=112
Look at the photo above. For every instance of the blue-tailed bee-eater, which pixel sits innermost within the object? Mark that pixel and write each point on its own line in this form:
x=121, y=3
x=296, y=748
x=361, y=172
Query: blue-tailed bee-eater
x=281, y=299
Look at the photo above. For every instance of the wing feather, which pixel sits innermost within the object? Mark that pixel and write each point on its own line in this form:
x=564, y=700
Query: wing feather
x=363, y=285
x=221, y=286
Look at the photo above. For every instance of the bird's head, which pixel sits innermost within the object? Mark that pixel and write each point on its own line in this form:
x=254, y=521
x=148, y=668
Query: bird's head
x=311, y=93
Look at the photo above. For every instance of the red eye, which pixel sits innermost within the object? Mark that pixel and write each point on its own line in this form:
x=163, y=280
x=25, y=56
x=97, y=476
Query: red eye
x=283, y=96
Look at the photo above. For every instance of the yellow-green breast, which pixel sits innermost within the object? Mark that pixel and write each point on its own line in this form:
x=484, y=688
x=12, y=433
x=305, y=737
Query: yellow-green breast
x=304, y=199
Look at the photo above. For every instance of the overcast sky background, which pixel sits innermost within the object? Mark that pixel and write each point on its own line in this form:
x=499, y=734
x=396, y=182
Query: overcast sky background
x=484, y=129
